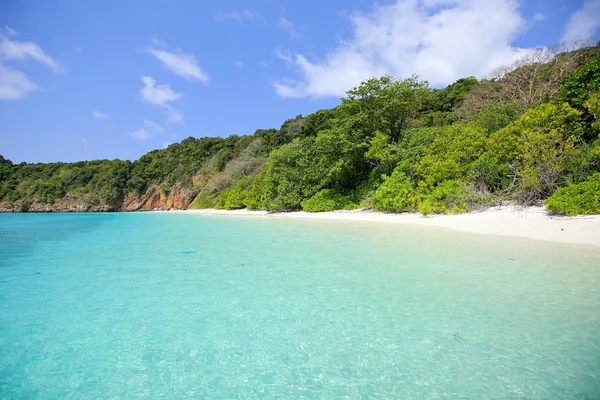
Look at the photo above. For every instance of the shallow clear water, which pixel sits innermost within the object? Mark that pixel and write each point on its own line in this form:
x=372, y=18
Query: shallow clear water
x=156, y=305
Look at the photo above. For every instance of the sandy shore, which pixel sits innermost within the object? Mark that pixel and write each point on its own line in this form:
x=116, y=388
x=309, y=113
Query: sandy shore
x=529, y=222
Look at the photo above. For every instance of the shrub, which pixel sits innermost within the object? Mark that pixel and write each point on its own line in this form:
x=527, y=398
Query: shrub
x=203, y=200
x=255, y=193
x=452, y=197
x=577, y=199
x=328, y=200
x=235, y=197
x=485, y=173
x=584, y=81
x=397, y=193
x=497, y=116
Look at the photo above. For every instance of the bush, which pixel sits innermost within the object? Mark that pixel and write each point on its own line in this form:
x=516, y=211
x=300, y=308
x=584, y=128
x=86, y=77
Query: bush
x=584, y=81
x=397, y=193
x=203, y=200
x=255, y=193
x=577, y=199
x=442, y=199
x=497, y=116
x=485, y=173
x=235, y=197
x=452, y=197
x=328, y=200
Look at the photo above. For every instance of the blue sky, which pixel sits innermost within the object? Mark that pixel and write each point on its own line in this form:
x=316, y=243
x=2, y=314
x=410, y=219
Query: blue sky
x=82, y=80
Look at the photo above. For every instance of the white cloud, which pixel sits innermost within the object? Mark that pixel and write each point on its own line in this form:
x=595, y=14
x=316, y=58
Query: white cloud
x=160, y=95
x=584, y=22
x=175, y=116
x=441, y=40
x=238, y=64
x=538, y=17
x=163, y=96
x=10, y=31
x=288, y=26
x=158, y=42
x=84, y=141
x=141, y=134
x=284, y=55
x=16, y=50
x=14, y=84
x=238, y=16
x=149, y=131
x=153, y=126
x=182, y=64
x=100, y=115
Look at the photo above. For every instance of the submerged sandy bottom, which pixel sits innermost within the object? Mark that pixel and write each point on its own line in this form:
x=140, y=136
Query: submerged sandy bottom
x=528, y=222
x=183, y=305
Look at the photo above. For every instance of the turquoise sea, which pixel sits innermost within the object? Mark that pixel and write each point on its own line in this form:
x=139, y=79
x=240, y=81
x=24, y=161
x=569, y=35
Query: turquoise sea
x=174, y=306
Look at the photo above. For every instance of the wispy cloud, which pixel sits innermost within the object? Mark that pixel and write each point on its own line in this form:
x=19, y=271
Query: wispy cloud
x=584, y=23
x=180, y=63
x=141, y=134
x=100, y=115
x=149, y=130
x=153, y=126
x=238, y=64
x=538, y=16
x=14, y=84
x=158, y=42
x=175, y=116
x=162, y=96
x=289, y=27
x=238, y=16
x=10, y=31
x=159, y=95
x=411, y=36
x=285, y=55
x=17, y=50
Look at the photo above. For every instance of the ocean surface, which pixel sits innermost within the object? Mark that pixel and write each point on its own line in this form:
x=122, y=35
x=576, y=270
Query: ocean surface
x=165, y=305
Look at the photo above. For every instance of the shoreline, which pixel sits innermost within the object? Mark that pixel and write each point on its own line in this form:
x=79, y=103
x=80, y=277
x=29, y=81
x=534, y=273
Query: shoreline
x=526, y=222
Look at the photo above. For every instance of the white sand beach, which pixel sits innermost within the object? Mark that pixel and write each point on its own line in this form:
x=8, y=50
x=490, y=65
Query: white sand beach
x=528, y=222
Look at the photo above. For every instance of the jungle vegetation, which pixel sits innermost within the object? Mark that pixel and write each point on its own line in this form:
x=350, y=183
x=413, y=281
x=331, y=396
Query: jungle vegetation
x=527, y=134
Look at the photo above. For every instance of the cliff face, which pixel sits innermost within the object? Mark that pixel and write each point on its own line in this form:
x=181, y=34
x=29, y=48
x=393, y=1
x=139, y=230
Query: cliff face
x=156, y=199
x=153, y=199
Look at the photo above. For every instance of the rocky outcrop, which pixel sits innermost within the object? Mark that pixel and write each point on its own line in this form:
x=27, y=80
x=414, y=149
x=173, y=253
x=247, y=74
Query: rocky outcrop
x=155, y=198
x=68, y=203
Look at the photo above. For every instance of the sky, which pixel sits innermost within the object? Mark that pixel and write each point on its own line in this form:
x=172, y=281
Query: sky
x=83, y=80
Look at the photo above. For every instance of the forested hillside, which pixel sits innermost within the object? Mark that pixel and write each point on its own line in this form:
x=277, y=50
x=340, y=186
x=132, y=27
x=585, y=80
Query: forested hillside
x=528, y=134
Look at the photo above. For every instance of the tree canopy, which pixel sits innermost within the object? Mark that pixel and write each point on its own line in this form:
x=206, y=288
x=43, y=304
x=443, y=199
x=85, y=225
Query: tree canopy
x=528, y=134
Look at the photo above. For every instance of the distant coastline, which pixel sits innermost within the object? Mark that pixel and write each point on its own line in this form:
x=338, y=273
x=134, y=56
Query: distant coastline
x=525, y=222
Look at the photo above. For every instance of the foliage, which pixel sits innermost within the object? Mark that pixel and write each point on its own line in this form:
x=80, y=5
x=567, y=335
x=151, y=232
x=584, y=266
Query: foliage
x=485, y=173
x=497, y=116
x=578, y=87
x=203, y=200
x=535, y=149
x=386, y=104
x=452, y=196
x=395, y=145
x=255, y=194
x=577, y=199
x=328, y=200
x=397, y=194
x=452, y=96
x=292, y=175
